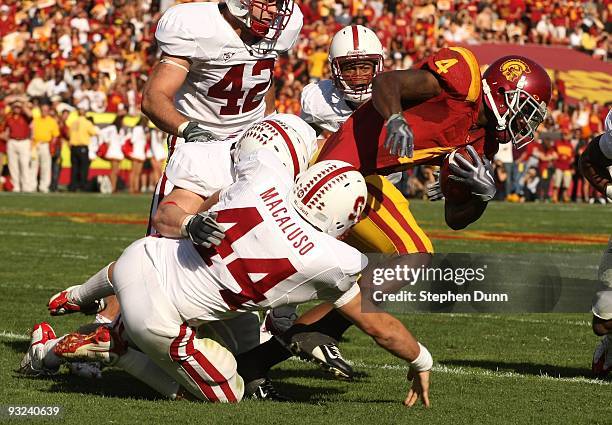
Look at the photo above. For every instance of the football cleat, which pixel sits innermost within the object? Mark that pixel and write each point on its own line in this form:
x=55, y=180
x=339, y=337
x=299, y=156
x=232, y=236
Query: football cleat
x=33, y=362
x=262, y=389
x=602, y=358
x=323, y=350
x=60, y=304
x=101, y=345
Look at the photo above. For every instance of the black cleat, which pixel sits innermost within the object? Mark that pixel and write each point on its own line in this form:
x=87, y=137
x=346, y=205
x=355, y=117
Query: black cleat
x=323, y=350
x=262, y=389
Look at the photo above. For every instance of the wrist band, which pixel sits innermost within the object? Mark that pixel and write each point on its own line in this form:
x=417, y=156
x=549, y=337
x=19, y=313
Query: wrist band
x=181, y=128
x=184, y=226
x=424, y=361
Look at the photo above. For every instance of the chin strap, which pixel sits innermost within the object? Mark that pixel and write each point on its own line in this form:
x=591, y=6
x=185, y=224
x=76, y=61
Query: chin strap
x=501, y=120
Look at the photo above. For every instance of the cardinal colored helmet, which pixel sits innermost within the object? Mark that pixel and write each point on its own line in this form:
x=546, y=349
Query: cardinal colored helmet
x=516, y=94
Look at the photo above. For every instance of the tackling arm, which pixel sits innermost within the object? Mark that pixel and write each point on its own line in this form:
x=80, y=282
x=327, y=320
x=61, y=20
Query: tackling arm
x=594, y=166
x=174, y=210
x=158, y=93
x=391, y=89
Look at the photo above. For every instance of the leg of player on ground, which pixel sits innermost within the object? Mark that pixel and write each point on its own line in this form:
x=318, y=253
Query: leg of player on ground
x=202, y=366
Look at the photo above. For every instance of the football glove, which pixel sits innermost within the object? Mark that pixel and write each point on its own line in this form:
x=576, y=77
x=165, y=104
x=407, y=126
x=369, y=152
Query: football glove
x=204, y=230
x=194, y=133
x=400, y=140
x=434, y=191
x=478, y=176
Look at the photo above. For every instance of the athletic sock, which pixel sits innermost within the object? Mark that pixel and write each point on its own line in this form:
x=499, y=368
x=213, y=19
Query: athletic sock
x=256, y=362
x=98, y=286
x=333, y=324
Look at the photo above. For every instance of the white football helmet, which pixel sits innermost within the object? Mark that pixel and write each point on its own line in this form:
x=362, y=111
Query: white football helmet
x=288, y=136
x=275, y=20
x=351, y=44
x=330, y=195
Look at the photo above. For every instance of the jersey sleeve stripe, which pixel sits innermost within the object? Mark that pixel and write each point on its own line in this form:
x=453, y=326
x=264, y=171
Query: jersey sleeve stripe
x=468, y=56
x=424, y=155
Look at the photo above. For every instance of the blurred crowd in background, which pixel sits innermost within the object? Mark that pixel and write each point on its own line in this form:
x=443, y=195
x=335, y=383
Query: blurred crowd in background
x=61, y=60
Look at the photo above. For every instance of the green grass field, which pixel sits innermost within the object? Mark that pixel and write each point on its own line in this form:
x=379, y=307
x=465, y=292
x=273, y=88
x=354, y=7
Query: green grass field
x=494, y=368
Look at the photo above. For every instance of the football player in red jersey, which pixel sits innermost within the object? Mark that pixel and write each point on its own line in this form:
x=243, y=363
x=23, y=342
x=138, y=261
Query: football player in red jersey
x=594, y=164
x=415, y=117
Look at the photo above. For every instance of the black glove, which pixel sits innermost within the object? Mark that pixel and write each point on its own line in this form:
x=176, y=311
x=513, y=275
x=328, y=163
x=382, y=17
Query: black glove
x=479, y=176
x=434, y=191
x=204, y=230
x=194, y=133
x=400, y=140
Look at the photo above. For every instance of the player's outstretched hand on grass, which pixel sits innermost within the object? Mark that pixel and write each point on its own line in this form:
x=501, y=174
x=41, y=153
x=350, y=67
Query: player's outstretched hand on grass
x=419, y=388
x=204, y=230
x=400, y=140
x=478, y=175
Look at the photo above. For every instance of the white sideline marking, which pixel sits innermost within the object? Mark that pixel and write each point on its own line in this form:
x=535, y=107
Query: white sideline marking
x=13, y=336
x=454, y=370
x=518, y=319
x=457, y=370
x=451, y=370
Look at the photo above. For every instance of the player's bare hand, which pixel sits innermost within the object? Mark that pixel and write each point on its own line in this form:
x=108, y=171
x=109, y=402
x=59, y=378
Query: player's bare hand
x=434, y=190
x=478, y=175
x=196, y=133
x=204, y=230
x=400, y=140
x=419, y=388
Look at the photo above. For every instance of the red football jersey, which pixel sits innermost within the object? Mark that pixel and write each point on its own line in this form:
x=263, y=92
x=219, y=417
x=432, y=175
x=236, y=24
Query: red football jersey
x=439, y=124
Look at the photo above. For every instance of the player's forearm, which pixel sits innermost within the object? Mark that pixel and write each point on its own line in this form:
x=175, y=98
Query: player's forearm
x=169, y=219
x=160, y=109
x=460, y=216
x=391, y=89
x=390, y=334
x=593, y=165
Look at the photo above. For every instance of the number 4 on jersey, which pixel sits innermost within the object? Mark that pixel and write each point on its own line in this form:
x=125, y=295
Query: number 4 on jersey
x=275, y=269
x=444, y=65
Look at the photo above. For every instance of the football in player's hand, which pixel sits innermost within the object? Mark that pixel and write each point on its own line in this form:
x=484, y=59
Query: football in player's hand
x=454, y=192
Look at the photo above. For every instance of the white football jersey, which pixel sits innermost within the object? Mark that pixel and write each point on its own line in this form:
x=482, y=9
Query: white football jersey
x=324, y=106
x=605, y=142
x=227, y=81
x=270, y=256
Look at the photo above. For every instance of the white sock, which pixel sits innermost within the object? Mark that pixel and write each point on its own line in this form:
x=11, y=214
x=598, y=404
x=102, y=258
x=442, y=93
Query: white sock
x=51, y=360
x=98, y=286
x=141, y=367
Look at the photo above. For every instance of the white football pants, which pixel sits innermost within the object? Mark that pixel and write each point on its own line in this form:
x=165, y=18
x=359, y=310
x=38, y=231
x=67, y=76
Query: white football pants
x=201, y=365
